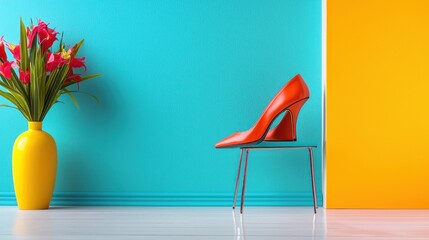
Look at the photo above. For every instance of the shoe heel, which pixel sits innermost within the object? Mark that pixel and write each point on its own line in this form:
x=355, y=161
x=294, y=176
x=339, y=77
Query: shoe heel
x=286, y=129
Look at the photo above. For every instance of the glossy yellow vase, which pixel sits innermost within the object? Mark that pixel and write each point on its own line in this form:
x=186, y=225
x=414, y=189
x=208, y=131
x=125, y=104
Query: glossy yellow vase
x=34, y=164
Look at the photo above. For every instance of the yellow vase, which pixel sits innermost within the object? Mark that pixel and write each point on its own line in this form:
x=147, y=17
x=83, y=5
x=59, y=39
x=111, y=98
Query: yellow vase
x=34, y=164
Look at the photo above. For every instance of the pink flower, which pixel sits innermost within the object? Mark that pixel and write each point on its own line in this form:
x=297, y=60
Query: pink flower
x=3, y=57
x=24, y=76
x=5, y=69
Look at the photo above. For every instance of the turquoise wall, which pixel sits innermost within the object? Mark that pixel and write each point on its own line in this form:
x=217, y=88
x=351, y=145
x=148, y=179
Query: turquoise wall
x=178, y=76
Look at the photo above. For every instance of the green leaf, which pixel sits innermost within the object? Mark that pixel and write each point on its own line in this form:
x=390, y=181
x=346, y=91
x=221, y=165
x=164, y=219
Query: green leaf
x=33, y=49
x=12, y=98
x=18, y=86
x=77, y=46
x=90, y=77
x=5, y=105
x=53, y=87
x=61, y=42
x=88, y=94
x=85, y=78
x=23, y=46
x=9, y=97
x=72, y=97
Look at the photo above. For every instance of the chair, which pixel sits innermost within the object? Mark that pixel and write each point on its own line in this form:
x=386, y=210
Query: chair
x=289, y=100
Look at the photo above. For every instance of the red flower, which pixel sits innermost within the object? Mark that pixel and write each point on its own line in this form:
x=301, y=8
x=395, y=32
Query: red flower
x=3, y=57
x=31, y=33
x=74, y=63
x=15, y=50
x=5, y=69
x=47, y=36
x=24, y=76
x=55, y=60
x=73, y=77
x=77, y=62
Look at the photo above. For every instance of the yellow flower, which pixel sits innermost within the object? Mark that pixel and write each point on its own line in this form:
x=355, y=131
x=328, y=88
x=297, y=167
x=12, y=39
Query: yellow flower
x=66, y=54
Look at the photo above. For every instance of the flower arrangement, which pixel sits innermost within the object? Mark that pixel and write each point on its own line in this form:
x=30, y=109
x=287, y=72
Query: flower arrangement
x=38, y=76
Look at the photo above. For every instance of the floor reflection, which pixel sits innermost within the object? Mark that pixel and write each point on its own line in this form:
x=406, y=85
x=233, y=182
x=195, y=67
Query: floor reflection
x=376, y=223
x=29, y=222
x=256, y=222
x=239, y=232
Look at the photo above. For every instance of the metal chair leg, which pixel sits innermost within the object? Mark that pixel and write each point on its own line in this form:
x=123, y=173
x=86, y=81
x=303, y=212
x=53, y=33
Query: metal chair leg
x=313, y=183
x=237, y=181
x=244, y=181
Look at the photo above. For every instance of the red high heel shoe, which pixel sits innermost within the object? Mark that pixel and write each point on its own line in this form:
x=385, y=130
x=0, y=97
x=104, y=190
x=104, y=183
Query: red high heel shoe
x=290, y=99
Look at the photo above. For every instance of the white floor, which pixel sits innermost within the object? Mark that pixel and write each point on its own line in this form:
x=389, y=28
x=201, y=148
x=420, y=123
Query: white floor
x=211, y=223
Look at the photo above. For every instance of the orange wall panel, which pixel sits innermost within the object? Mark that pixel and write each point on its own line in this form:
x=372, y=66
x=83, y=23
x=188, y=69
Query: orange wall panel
x=377, y=132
